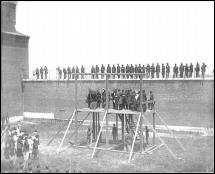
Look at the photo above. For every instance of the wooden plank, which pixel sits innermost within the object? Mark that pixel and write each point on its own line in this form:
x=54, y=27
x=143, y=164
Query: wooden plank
x=138, y=122
x=99, y=134
x=66, y=131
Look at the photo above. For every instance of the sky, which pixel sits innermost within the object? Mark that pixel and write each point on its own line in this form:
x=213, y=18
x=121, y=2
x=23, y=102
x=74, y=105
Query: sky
x=95, y=32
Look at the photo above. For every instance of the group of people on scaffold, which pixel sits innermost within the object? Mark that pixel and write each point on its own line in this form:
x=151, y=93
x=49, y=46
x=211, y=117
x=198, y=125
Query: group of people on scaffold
x=122, y=99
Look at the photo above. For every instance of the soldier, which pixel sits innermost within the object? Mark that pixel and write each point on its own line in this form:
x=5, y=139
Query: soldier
x=152, y=70
x=163, y=70
x=69, y=72
x=114, y=133
x=97, y=71
x=64, y=73
x=143, y=70
x=151, y=98
x=175, y=71
x=123, y=71
x=59, y=73
x=118, y=71
x=148, y=71
x=157, y=70
x=89, y=135
x=181, y=69
x=139, y=69
x=186, y=70
x=108, y=70
x=92, y=71
x=73, y=72
x=77, y=71
x=46, y=72
x=167, y=70
x=102, y=71
x=127, y=71
x=41, y=72
x=203, y=69
x=136, y=71
x=82, y=71
x=131, y=71
x=37, y=73
x=191, y=70
x=113, y=71
x=197, y=69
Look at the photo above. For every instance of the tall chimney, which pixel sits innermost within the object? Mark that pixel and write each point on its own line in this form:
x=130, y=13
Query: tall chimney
x=8, y=15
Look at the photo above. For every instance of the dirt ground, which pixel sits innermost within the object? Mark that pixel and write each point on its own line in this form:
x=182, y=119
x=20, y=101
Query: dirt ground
x=198, y=157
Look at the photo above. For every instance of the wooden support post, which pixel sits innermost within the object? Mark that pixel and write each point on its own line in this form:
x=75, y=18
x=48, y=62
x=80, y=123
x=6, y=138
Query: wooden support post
x=105, y=116
x=96, y=123
x=141, y=110
x=70, y=121
x=94, y=132
x=107, y=105
x=153, y=128
x=123, y=130
x=76, y=106
x=134, y=139
x=117, y=126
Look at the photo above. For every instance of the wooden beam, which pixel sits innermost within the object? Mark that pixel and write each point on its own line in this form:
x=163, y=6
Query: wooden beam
x=99, y=134
x=76, y=106
x=66, y=131
x=132, y=147
x=141, y=110
x=153, y=122
x=107, y=106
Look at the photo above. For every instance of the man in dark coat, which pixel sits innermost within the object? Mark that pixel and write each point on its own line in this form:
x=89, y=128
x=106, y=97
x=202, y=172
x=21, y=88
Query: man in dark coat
x=102, y=71
x=69, y=72
x=197, y=69
x=186, y=70
x=37, y=73
x=143, y=70
x=73, y=72
x=148, y=71
x=93, y=71
x=59, y=73
x=118, y=71
x=108, y=70
x=157, y=70
x=46, y=72
x=123, y=71
x=163, y=70
x=181, y=69
x=64, y=73
x=136, y=71
x=175, y=71
x=152, y=70
x=41, y=72
x=191, y=70
x=97, y=71
x=131, y=71
x=113, y=71
x=127, y=71
x=203, y=69
x=167, y=70
x=77, y=71
x=82, y=71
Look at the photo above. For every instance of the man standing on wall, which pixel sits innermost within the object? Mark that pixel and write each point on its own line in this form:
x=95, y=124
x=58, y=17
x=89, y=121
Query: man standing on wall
x=108, y=70
x=97, y=71
x=191, y=70
x=73, y=72
x=46, y=72
x=41, y=72
x=152, y=70
x=82, y=71
x=64, y=73
x=203, y=69
x=127, y=71
x=131, y=71
x=69, y=72
x=136, y=71
x=123, y=71
x=113, y=71
x=167, y=70
x=163, y=70
x=148, y=71
x=197, y=69
x=118, y=71
x=186, y=70
x=102, y=71
x=77, y=71
x=37, y=73
x=181, y=69
x=157, y=70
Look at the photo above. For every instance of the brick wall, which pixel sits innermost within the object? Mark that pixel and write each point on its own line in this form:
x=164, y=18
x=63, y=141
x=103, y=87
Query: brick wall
x=179, y=102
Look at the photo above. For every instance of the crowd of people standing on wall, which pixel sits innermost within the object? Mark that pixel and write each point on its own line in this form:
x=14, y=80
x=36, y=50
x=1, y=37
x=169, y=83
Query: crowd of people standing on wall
x=128, y=72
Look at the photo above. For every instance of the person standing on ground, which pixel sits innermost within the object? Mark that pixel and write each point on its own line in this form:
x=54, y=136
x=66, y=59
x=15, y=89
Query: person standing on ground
x=114, y=133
